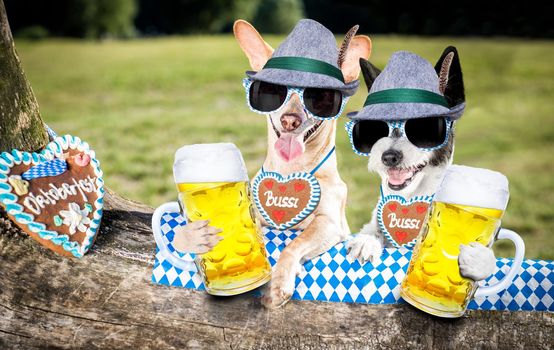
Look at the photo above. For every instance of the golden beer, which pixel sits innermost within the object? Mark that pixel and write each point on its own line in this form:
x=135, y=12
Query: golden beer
x=433, y=281
x=467, y=208
x=238, y=263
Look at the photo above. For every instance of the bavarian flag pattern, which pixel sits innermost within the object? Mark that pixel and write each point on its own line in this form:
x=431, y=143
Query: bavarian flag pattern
x=333, y=277
x=52, y=167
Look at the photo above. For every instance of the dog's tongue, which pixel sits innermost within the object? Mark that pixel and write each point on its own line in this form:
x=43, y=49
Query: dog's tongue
x=289, y=147
x=398, y=176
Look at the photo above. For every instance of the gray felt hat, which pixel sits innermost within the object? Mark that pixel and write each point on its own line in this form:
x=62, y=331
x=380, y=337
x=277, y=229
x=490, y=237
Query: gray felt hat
x=307, y=58
x=409, y=88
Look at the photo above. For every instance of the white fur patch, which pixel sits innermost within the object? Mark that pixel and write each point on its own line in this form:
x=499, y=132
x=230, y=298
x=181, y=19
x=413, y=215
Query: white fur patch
x=476, y=261
x=365, y=246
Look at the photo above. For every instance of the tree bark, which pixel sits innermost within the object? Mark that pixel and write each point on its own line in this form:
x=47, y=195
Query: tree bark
x=20, y=124
x=106, y=299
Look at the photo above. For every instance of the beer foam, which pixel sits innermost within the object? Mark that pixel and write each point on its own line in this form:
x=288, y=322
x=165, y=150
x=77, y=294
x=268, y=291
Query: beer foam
x=209, y=162
x=473, y=186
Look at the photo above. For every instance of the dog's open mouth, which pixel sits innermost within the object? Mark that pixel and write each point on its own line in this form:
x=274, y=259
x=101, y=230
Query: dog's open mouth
x=399, y=178
x=312, y=130
x=288, y=144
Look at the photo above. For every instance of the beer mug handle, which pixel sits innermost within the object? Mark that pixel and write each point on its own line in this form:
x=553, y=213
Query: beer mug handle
x=518, y=259
x=172, y=207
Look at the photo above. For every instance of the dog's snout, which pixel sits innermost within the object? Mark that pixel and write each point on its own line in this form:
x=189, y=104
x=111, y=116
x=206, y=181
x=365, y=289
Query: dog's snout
x=290, y=121
x=392, y=157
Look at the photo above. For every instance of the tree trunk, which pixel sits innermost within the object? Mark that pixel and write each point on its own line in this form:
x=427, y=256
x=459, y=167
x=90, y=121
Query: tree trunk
x=106, y=299
x=20, y=124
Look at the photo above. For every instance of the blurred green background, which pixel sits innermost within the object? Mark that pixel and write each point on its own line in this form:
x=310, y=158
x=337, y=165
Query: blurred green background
x=137, y=101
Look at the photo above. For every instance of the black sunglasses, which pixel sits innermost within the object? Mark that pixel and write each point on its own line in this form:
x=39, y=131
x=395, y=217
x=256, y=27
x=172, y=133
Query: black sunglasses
x=266, y=97
x=428, y=134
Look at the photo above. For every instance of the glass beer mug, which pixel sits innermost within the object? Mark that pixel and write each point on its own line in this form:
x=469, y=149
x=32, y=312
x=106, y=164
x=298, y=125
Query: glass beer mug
x=466, y=208
x=213, y=185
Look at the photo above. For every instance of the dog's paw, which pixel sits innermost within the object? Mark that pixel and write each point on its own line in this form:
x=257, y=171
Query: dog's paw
x=364, y=248
x=476, y=261
x=281, y=287
x=278, y=295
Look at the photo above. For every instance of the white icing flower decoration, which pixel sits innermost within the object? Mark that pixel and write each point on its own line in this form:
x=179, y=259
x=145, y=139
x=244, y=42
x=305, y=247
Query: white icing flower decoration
x=75, y=218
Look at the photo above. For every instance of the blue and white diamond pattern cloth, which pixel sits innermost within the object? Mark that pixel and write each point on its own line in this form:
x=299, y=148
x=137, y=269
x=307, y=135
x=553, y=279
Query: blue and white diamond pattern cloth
x=52, y=167
x=335, y=278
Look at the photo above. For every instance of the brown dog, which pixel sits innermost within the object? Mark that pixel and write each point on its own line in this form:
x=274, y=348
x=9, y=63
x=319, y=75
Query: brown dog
x=297, y=142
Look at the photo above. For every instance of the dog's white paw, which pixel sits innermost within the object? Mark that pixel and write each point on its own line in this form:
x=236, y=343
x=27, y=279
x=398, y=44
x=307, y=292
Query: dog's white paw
x=476, y=261
x=364, y=248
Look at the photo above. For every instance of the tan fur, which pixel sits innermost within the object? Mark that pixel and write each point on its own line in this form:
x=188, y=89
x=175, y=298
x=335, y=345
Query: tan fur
x=360, y=46
x=327, y=225
x=251, y=42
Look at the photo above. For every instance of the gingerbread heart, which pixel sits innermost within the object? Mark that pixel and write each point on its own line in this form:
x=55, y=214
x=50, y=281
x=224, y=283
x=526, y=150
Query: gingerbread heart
x=56, y=196
x=285, y=201
x=400, y=220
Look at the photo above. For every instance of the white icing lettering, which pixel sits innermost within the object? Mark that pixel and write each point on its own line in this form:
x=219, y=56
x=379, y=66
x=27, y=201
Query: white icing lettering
x=31, y=203
x=41, y=202
x=78, y=185
x=35, y=203
x=281, y=202
x=69, y=190
x=403, y=222
x=85, y=185
x=52, y=193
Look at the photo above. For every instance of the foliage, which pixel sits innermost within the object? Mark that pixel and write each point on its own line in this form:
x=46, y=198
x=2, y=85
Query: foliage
x=186, y=16
x=33, y=33
x=278, y=16
x=436, y=17
x=99, y=18
x=200, y=16
x=78, y=18
x=102, y=18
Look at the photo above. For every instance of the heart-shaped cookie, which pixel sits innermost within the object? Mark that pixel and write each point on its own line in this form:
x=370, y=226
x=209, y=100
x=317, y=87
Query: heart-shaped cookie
x=56, y=196
x=285, y=201
x=400, y=220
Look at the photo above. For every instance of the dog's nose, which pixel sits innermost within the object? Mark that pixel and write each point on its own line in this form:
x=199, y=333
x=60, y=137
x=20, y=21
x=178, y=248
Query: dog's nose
x=290, y=121
x=392, y=157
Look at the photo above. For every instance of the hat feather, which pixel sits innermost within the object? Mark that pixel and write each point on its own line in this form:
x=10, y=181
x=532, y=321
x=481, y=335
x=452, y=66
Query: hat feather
x=451, y=82
x=345, y=43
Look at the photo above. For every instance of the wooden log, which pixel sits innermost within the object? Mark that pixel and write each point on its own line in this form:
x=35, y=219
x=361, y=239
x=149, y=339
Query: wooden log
x=106, y=300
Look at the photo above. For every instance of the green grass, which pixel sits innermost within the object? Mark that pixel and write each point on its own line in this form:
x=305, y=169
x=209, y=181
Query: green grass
x=137, y=101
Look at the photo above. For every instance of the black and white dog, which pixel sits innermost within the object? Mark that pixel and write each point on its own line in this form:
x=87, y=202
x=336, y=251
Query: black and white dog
x=410, y=143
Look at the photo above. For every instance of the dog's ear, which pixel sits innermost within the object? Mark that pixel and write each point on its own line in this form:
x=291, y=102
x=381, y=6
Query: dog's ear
x=369, y=71
x=352, y=49
x=252, y=43
x=451, y=82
